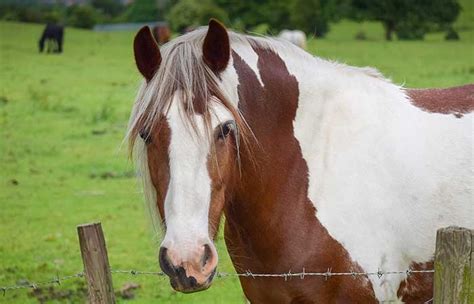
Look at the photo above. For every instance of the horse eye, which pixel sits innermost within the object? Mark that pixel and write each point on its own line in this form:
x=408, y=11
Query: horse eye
x=145, y=135
x=225, y=129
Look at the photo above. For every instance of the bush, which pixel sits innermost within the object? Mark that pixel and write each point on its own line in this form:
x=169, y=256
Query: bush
x=37, y=13
x=52, y=17
x=360, y=36
x=194, y=13
x=451, y=34
x=10, y=16
x=142, y=11
x=82, y=16
x=411, y=30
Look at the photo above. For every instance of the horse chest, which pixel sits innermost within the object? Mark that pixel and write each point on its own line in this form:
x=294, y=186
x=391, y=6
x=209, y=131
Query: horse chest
x=298, y=242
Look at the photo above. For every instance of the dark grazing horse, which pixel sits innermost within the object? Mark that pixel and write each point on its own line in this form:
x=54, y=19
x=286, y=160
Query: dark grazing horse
x=53, y=37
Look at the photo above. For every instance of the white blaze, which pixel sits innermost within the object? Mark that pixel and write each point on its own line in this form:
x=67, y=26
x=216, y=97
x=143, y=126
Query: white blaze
x=188, y=197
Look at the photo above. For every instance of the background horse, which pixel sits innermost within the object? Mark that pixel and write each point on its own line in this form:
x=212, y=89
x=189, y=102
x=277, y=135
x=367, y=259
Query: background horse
x=315, y=165
x=161, y=33
x=296, y=37
x=53, y=36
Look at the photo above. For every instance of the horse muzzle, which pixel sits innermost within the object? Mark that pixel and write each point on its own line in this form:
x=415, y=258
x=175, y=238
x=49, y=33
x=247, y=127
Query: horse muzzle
x=193, y=274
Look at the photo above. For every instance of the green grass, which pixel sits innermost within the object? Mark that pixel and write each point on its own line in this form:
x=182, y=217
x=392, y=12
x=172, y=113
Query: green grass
x=62, y=119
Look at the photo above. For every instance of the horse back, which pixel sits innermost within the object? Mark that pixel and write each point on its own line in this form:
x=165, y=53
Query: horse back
x=454, y=100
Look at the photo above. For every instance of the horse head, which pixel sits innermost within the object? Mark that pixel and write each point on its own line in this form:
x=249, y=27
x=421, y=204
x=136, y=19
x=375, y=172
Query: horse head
x=189, y=131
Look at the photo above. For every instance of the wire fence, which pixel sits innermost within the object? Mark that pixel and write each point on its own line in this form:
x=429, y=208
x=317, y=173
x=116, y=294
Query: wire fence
x=446, y=289
x=286, y=276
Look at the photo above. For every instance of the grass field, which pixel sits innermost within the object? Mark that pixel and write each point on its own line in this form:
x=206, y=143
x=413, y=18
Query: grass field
x=62, y=119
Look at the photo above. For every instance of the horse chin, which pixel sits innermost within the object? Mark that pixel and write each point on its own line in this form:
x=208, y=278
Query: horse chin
x=191, y=287
x=178, y=287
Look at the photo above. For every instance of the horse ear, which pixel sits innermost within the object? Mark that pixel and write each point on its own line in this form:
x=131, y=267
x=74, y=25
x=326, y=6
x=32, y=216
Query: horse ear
x=216, y=47
x=147, y=53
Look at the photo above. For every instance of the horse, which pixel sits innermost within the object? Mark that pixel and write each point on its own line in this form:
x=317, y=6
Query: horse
x=53, y=36
x=316, y=165
x=161, y=33
x=296, y=37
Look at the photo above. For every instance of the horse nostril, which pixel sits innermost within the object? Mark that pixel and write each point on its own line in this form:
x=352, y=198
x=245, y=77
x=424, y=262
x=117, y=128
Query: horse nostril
x=165, y=263
x=207, y=255
x=193, y=282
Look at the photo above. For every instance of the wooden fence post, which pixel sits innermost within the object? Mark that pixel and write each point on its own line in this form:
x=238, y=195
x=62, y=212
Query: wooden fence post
x=454, y=269
x=96, y=264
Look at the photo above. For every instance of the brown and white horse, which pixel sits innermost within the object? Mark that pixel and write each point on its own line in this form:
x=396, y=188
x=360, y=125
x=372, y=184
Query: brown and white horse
x=315, y=165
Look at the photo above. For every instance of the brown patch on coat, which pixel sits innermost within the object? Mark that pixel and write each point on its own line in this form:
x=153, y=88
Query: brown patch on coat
x=271, y=225
x=454, y=100
x=418, y=287
x=222, y=167
x=158, y=162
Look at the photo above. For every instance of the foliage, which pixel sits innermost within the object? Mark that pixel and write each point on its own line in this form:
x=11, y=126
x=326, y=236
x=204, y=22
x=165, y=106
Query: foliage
x=408, y=19
x=31, y=12
x=142, y=11
x=247, y=14
x=82, y=16
x=52, y=16
x=311, y=16
x=261, y=29
x=451, y=34
x=79, y=15
x=308, y=15
x=108, y=8
x=192, y=13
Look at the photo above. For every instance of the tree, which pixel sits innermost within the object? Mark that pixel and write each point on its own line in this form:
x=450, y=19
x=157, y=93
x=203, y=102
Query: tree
x=190, y=13
x=248, y=14
x=142, y=11
x=407, y=18
x=109, y=8
x=311, y=16
x=308, y=16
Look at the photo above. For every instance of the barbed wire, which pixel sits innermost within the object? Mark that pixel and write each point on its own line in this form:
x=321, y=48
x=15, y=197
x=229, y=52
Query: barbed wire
x=303, y=274
x=35, y=285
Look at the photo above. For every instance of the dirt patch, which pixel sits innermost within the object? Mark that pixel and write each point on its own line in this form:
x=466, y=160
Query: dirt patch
x=77, y=294
x=113, y=174
x=127, y=291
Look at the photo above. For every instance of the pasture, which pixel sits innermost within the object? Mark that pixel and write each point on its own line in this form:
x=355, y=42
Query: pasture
x=62, y=120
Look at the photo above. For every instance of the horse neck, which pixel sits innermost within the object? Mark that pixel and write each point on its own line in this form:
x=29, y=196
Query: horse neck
x=270, y=202
x=284, y=96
